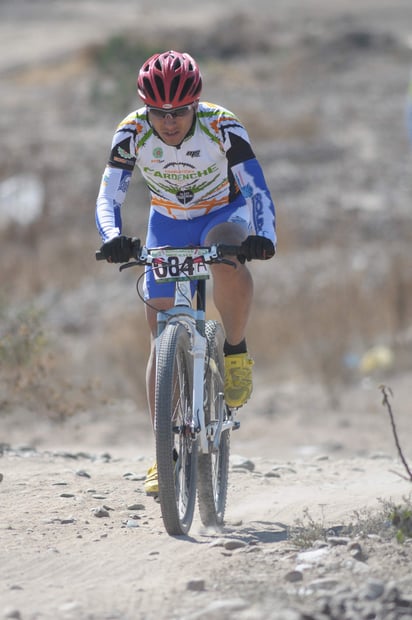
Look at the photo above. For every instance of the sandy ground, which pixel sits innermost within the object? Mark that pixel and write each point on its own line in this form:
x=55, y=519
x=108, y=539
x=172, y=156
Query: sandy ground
x=60, y=559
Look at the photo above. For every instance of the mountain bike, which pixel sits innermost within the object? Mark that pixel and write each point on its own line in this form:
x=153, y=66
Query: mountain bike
x=192, y=421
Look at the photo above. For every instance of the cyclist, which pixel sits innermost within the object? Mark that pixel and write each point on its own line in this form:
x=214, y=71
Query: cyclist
x=206, y=186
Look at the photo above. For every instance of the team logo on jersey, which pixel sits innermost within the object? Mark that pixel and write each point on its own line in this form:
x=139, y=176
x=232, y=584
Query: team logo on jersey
x=158, y=152
x=247, y=190
x=124, y=154
x=184, y=196
x=193, y=153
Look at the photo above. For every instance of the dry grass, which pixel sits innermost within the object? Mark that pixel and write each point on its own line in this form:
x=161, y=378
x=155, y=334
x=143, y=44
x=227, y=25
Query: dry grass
x=309, y=331
x=388, y=522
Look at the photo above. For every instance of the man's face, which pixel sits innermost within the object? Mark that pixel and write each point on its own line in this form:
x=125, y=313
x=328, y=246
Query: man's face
x=172, y=125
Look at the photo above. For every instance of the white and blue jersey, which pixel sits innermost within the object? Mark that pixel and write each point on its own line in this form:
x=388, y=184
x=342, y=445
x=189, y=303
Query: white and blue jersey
x=212, y=176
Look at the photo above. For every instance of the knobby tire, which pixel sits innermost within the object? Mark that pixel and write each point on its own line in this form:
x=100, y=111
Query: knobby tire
x=176, y=449
x=213, y=468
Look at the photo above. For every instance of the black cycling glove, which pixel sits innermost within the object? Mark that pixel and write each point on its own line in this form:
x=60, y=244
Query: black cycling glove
x=256, y=247
x=118, y=250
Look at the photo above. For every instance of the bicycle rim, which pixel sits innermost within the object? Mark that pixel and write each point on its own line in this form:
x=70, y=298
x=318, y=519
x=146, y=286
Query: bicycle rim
x=213, y=468
x=176, y=449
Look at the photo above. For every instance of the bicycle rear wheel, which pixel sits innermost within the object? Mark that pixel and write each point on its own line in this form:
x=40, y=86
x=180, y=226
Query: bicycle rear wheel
x=213, y=468
x=176, y=448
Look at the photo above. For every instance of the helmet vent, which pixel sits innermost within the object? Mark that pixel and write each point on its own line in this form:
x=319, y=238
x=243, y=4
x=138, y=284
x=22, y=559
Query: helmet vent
x=187, y=87
x=160, y=87
x=148, y=88
x=176, y=64
x=173, y=87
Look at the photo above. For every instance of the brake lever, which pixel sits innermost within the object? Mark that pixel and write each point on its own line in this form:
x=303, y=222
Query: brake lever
x=127, y=265
x=226, y=261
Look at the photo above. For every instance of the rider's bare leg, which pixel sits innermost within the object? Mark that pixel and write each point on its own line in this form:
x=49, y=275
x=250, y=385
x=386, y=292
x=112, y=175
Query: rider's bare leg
x=232, y=288
x=162, y=303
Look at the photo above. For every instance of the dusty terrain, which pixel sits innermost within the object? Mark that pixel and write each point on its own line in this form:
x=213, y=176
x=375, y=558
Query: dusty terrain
x=322, y=89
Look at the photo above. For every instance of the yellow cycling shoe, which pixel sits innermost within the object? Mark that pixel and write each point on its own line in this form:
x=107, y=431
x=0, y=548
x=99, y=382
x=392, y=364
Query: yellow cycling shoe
x=238, y=379
x=151, y=484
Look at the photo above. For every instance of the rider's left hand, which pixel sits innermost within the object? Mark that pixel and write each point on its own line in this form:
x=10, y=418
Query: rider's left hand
x=257, y=247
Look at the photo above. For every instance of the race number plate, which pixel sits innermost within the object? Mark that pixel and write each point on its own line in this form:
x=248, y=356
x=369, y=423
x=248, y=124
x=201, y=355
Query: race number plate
x=176, y=265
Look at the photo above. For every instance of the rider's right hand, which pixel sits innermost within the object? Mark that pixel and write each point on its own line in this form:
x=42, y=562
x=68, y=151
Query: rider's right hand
x=118, y=250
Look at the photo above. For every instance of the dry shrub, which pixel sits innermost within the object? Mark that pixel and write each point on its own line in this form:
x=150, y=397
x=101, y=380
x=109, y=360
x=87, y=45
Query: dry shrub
x=123, y=355
x=36, y=375
x=313, y=329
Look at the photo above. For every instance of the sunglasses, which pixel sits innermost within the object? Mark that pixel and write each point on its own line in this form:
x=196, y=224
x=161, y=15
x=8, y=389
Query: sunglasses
x=174, y=113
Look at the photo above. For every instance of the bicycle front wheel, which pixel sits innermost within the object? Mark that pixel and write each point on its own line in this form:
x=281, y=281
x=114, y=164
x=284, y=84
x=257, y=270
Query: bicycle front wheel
x=176, y=447
x=213, y=468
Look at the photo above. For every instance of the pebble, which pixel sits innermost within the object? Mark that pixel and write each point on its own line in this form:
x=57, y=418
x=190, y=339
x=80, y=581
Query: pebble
x=10, y=612
x=136, y=507
x=239, y=462
x=293, y=576
x=357, y=552
x=284, y=469
x=234, y=544
x=106, y=457
x=196, y=585
x=83, y=473
x=134, y=477
x=100, y=511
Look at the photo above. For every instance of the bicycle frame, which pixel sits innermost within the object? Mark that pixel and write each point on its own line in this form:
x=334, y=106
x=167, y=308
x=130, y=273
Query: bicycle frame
x=194, y=319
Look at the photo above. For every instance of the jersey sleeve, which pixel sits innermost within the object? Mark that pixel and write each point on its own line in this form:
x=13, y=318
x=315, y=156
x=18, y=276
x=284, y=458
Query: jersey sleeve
x=250, y=179
x=116, y=177
x=124, y=143
x=248, y=175
x=113, y=189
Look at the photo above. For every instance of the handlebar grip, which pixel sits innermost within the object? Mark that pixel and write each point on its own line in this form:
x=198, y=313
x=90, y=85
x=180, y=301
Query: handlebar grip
x=229, y=250
x=99, y=255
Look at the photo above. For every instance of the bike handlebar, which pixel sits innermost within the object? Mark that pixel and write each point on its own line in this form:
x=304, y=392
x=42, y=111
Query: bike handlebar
x=217, y=252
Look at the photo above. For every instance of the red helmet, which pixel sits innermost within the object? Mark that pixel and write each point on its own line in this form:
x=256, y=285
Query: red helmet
x=169, y=80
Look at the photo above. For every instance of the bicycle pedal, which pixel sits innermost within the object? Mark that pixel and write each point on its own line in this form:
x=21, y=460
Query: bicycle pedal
x=236, y=425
